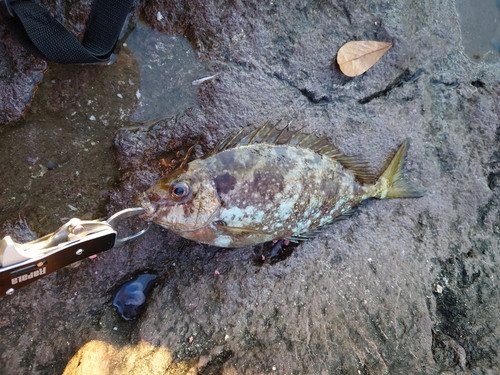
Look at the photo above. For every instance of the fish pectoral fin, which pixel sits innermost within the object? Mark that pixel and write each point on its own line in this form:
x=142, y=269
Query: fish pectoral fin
x=235, y=231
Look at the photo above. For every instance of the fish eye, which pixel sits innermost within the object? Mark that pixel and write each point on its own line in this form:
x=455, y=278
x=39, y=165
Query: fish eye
x=179, y=190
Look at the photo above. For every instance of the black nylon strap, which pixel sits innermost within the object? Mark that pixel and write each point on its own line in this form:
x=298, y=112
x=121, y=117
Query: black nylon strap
x=43, y=36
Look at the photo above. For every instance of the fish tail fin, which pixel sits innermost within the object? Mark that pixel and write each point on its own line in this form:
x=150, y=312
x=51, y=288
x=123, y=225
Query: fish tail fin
x=395, y=185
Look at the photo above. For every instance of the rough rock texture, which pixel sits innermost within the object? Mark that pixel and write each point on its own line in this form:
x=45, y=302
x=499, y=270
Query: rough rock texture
x=20, y=74
x=404, y=286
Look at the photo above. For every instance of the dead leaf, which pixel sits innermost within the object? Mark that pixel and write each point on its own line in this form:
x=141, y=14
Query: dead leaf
x=355, y=58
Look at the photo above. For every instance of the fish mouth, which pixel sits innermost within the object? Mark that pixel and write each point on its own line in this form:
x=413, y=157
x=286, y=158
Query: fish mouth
x=143, y=201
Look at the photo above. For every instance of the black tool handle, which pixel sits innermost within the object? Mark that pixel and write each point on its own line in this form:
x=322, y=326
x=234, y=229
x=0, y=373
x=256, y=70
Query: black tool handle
x=16, y=276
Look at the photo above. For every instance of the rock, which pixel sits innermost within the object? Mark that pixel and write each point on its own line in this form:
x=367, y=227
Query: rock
x=100, y=358
x=362, y=296
x=20, y=74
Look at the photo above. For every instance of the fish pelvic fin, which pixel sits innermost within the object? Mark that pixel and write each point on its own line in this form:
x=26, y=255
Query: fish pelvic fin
x=237, y=231
x=393, y=184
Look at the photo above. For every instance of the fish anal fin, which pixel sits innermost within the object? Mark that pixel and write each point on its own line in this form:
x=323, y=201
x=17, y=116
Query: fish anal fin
x=345, y=215
x=307, y=235
x=314, y=232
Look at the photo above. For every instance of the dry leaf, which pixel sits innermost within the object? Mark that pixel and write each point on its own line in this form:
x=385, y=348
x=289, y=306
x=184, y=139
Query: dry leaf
x=355, y=58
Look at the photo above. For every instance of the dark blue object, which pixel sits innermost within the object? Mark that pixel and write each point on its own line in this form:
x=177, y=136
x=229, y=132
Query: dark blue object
x=131, y=297
x=46, y=38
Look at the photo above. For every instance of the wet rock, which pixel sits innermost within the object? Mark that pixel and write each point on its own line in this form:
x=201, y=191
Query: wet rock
x=20, y=74
x=170, y=92
x=448, y=353
x=361, y=297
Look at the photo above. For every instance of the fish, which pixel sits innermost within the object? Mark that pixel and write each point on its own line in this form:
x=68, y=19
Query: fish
x=269, y=184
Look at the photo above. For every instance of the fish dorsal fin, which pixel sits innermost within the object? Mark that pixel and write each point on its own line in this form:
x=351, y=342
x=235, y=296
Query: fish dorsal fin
x=271, y=134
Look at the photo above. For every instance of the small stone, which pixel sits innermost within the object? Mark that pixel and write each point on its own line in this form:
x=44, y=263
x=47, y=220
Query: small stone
x=50, y=165
x=120, y=96
x=92, y=118
x=138, y=94
x=159, y=16
x=439, y=289
x=72, y=208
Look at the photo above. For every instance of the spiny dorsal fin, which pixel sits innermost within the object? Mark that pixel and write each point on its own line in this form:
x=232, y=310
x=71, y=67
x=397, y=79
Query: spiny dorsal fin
x=271, y=134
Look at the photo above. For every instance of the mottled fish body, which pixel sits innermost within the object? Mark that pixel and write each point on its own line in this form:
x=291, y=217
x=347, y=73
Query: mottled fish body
x=266, y=185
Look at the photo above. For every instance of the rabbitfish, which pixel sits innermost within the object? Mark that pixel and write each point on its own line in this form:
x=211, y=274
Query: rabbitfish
x=268, y=184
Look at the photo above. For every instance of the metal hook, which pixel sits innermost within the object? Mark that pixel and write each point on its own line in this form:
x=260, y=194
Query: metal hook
x=125, y=214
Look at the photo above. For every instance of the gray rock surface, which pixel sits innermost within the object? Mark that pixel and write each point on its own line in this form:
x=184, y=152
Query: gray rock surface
x=403, y=286
x=20, y=74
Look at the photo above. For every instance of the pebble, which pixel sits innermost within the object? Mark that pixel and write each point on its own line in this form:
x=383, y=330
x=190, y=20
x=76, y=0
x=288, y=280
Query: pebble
x=50, y=165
